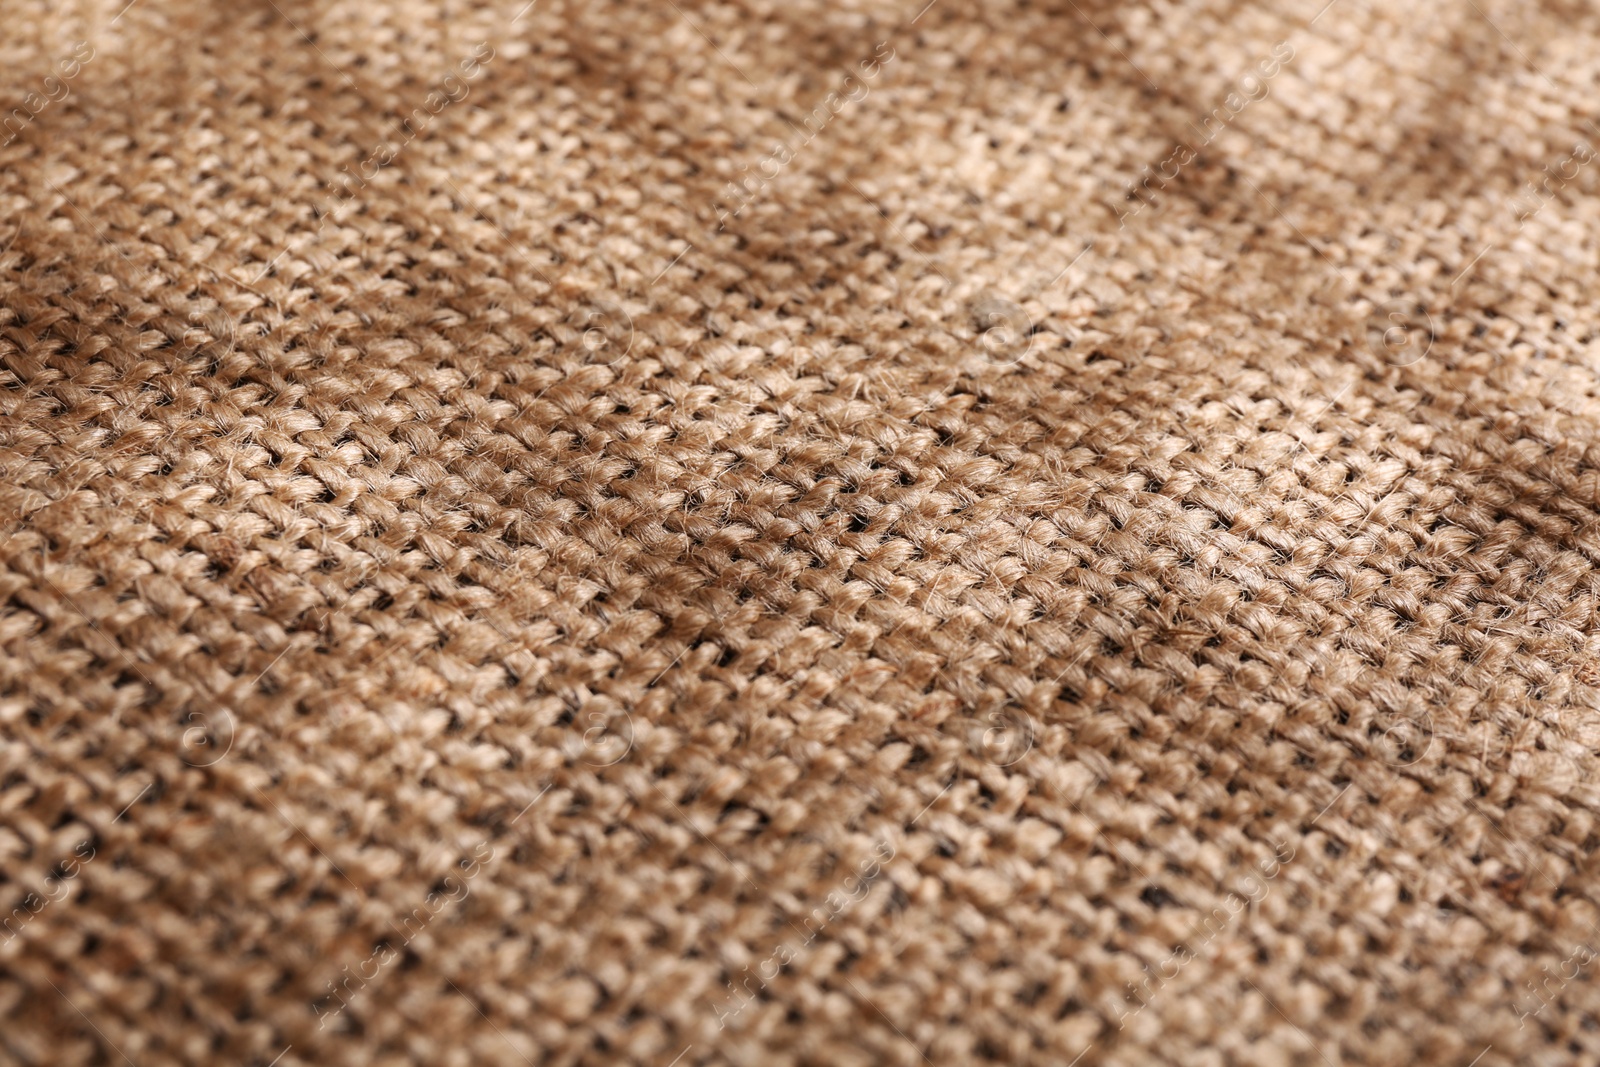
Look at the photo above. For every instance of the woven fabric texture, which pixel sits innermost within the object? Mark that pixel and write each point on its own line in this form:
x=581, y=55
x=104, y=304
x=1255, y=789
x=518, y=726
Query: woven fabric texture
x=1039, y=532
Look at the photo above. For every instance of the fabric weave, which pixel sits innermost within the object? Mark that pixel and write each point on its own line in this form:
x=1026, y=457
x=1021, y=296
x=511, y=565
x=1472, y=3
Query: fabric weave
x=793, y=533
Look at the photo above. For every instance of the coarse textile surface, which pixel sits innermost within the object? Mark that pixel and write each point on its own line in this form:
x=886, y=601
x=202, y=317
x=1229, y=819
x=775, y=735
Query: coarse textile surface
x=1033, y=532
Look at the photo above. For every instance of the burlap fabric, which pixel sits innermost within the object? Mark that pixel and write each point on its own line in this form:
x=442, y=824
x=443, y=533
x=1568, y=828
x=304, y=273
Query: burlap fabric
x=798, y=533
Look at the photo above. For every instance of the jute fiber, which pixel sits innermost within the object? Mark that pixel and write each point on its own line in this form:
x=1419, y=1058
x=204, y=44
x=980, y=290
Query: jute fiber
x=1038, y=532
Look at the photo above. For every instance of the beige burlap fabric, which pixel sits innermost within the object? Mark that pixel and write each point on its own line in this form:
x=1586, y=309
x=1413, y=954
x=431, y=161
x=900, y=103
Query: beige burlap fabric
x=798, y=533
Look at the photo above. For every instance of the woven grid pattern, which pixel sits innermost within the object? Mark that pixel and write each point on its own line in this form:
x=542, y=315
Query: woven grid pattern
x=758, y=533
